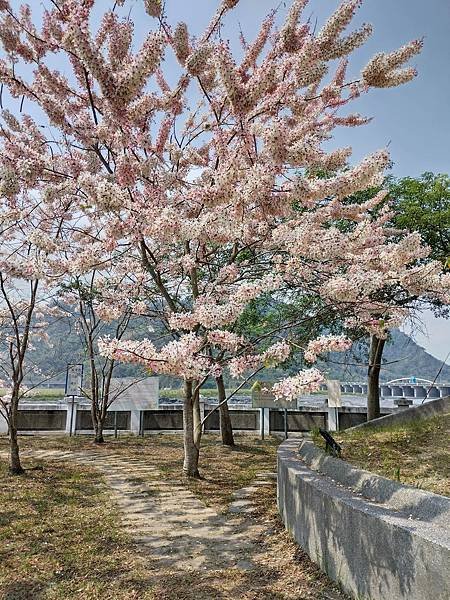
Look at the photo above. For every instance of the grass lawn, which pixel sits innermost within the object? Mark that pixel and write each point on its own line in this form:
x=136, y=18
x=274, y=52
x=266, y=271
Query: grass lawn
x=205, y=392
x=59, y=538
x=60, y=535
x=417, y=453
x=41, y=394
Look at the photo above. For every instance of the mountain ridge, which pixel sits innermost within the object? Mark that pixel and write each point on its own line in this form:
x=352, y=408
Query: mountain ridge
x=402, y=358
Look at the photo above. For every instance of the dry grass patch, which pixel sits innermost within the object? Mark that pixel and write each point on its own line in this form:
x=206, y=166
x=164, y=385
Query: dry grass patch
x=416, y=453
x=223, y=469
x=60, y=538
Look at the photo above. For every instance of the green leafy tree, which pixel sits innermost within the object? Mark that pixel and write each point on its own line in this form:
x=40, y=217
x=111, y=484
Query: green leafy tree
x=420, y=204
x=423, y=204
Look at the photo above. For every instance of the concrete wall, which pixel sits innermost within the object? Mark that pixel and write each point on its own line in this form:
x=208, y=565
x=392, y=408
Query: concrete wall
x=242, y=420
x=42, y=417
x=429, y=409
x=298, y=420
x=380, y=540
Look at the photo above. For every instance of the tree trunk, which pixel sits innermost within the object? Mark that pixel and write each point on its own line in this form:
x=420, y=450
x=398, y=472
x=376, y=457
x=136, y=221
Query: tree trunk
x=98, y=421
x=226, y=428
x=373, y=377
x=197, y=417
x=191, y=451
x=15, y=466
x=99, y=439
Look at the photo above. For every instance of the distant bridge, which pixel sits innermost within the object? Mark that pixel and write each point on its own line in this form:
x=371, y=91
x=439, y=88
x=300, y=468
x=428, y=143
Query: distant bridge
x=412, y=387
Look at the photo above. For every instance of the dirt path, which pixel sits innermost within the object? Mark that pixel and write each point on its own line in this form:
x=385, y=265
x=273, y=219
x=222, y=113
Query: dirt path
x=168, y=521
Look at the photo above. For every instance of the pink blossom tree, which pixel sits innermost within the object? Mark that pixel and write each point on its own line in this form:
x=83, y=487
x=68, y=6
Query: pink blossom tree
x=211, y=184
x=32, y=241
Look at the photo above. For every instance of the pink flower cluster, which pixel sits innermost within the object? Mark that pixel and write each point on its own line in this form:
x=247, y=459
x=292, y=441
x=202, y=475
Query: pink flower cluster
x=226, y=340
x=273, y=356
x=219, y=308
x=201, y=192
x=291, y=388
x=242, y=364
x=180, y=357
x=384, y=70
x=108, y=312
x=276, y=354
x=326, y=343
x=153, y=7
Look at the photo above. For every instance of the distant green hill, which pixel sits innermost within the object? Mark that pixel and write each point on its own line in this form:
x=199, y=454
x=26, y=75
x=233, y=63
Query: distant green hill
x=402, y=358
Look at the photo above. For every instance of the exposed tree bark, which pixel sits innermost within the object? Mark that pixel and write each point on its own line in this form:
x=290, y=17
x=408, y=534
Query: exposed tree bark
x=197, y=416
x=15, y=466
x=98, y=429
x=226, y=428
x=373, y=377
x=100, y=400
x=191, y=451
x=100, y=404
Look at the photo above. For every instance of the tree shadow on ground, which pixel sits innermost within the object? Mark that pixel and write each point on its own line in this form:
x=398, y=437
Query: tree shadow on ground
x=23, y=590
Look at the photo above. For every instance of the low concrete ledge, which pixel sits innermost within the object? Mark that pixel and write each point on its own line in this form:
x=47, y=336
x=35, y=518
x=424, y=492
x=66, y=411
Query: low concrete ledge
x=415, y=503
x=428, y=409
x=379, y=539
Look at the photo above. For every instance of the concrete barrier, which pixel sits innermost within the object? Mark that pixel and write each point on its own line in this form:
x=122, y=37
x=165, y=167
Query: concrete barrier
x=440, y=406
x=378, y=539
x=47, y=417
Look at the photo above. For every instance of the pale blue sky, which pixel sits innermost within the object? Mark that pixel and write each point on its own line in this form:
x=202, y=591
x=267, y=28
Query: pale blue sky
x=413, y=119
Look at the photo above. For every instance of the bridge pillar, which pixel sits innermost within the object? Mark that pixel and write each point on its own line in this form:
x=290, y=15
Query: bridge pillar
x=419, y=391
x=434, y=392
x=386, y=391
